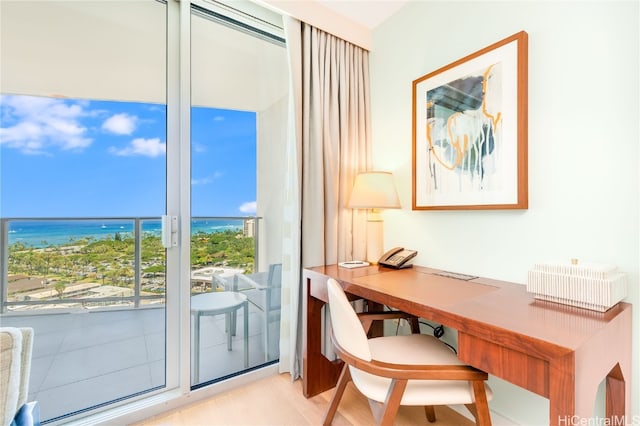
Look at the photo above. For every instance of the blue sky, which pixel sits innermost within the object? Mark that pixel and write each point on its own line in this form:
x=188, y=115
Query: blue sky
x=78, y=158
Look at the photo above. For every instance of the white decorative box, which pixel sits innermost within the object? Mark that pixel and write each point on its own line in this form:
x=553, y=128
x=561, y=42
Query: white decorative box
x=592, y=286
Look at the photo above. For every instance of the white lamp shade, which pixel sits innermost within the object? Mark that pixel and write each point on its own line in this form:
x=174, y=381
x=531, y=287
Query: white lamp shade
x=374, y=190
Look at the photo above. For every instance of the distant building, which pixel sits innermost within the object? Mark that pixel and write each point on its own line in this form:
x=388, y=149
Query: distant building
x=249, y=228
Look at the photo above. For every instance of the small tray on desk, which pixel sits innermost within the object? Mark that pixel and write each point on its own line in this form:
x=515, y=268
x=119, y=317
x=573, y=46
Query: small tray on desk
x=455, y=275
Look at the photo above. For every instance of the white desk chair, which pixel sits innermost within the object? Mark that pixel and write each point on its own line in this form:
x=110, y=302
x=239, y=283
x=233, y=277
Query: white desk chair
x=400, y=370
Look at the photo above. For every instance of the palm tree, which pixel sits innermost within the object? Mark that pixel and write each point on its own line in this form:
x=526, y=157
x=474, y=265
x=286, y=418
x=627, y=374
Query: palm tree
x=59, y=286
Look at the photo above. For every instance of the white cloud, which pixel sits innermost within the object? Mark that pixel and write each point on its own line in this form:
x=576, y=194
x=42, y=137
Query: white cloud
x=120, y=124
x=34, y=125
x=140, y=146
x=248, y=208
x=202, y=181
x=207, y=179
x=198, y=147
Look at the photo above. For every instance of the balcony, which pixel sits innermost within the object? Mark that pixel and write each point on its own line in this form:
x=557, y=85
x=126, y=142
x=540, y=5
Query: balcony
x=95, y=344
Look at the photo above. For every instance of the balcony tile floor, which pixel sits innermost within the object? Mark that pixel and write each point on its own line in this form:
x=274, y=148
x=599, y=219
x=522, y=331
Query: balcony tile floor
x=89, y=358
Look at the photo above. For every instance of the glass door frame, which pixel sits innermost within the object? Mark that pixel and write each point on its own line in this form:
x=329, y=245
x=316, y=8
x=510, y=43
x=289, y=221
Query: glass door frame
x=175, y=314
x=182, y=199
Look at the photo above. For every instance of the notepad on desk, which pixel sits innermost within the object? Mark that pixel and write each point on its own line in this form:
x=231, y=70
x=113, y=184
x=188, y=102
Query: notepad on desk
x=353, y=264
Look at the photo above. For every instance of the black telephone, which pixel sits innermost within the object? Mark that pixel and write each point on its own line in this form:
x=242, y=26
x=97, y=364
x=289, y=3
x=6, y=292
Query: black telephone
x=398, y=258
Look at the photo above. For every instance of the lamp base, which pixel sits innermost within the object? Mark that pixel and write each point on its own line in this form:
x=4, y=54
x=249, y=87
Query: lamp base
x=374, y=241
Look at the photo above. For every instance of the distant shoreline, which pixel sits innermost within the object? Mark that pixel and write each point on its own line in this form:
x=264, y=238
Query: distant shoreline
x=56, y=233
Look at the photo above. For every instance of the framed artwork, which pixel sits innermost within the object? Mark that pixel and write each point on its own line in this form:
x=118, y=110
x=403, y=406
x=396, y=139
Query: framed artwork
x=470, y=131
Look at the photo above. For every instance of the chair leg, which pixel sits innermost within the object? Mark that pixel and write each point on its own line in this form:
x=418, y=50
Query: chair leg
x=392, y=404
x=480, y=409
x=430, y=412
x=343, y=380
x=472, y=410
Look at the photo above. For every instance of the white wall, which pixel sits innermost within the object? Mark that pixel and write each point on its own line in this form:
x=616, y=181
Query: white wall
x=583, y=145
x=271, y=169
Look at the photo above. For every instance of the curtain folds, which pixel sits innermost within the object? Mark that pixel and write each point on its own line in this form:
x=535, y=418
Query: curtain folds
x=329, y=143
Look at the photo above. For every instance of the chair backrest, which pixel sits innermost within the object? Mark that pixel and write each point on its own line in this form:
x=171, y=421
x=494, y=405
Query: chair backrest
x=275, y=274
x=347, y=328
x=274, y=287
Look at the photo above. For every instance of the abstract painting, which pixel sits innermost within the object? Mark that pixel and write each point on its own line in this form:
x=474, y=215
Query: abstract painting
x=470, y=131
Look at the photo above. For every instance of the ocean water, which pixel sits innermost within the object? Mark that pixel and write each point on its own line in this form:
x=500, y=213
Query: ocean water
x=36, y=233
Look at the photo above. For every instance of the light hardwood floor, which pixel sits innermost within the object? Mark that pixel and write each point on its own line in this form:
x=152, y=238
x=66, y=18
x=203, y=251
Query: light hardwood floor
x=277, y=401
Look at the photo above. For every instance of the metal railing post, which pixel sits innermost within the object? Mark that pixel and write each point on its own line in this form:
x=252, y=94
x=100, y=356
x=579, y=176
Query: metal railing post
x=256, y=244
x=137, y=253
x=4, y=267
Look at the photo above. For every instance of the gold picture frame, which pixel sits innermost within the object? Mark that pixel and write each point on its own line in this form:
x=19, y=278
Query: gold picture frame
x=470, y=131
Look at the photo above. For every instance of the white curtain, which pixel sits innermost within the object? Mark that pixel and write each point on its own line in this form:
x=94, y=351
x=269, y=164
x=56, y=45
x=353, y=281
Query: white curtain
x=329, y=143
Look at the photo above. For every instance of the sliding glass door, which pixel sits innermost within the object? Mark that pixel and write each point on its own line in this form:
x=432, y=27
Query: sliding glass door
x=94, y=151
x=82, y=190
x=238, y=91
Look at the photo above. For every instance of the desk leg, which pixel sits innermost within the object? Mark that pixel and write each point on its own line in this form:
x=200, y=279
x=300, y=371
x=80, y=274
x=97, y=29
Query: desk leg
x=618, y=382
x=319, y=374
x=574, y=382
x=377, y=328
x=615, y=356
x=562, y=390
x=575, y=378
x=616, y=390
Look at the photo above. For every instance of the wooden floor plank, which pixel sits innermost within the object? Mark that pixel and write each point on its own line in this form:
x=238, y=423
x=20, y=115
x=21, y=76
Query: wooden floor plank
x=277, y=401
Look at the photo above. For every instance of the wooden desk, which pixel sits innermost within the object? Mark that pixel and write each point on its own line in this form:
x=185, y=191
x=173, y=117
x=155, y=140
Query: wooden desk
x=559, y=352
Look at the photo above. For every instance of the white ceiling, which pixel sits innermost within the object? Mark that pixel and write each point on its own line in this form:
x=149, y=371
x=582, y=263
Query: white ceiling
x=369, y=13
x=106, y=50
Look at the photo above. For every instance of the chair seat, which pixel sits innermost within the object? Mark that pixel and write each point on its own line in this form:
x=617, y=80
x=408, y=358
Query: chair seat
x=415, y=349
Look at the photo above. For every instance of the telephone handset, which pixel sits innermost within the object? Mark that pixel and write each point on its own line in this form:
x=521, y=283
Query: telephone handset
x=398, y=258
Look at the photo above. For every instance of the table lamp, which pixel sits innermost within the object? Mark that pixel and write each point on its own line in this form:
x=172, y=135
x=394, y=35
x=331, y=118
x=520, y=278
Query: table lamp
x=374, y=191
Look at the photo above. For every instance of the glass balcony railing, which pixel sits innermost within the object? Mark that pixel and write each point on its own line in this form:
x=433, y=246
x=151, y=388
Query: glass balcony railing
x=88, y=263
x=93, y=290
